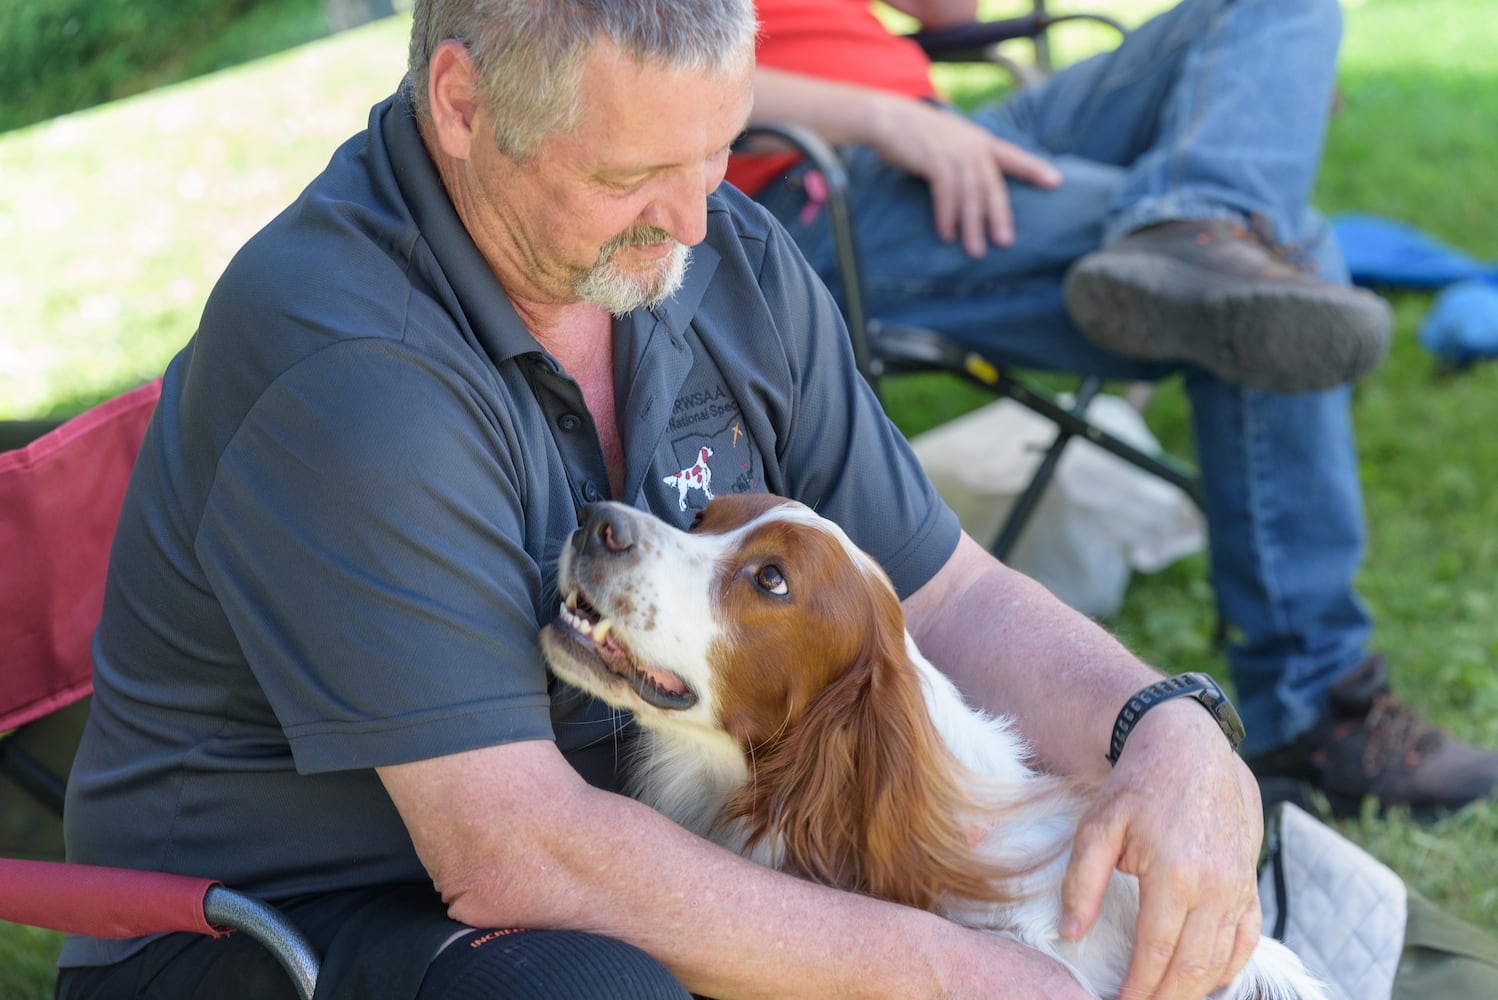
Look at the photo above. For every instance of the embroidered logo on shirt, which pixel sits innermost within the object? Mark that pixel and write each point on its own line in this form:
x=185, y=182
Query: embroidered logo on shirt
x=711, y=442
x=695, y=477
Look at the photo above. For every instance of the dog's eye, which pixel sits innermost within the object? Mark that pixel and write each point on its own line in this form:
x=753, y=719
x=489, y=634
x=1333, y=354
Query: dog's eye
x=696, y=520
x=771, y=580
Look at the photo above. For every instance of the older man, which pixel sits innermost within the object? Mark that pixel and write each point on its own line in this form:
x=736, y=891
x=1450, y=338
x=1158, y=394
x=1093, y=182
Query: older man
x=520, y=290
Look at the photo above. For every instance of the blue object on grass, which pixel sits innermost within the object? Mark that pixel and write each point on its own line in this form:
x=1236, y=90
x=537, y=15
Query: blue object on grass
x=1462, y=324
x=1386, y=252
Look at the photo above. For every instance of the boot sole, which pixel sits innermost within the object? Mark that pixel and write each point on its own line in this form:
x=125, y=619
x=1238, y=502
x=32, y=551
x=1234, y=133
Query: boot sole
x=1279, y=336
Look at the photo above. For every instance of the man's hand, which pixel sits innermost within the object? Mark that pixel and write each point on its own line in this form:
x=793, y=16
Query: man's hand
x=1181, y=813
x=965, y=166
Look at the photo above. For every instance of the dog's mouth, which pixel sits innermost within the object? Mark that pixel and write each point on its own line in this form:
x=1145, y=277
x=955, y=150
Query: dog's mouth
x=595, y=634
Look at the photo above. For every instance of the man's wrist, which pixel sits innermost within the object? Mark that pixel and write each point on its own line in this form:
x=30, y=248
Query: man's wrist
x=1197, y=687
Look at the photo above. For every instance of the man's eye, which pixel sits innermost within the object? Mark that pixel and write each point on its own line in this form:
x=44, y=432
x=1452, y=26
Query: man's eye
x=771, y=580
x=625, y=185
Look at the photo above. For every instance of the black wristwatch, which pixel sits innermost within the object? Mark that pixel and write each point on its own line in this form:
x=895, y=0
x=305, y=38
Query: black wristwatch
x=1193, y=685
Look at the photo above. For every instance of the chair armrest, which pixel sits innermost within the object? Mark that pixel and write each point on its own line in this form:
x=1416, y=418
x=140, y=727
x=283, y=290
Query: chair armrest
x=974, y=42
x=264, y=923
x=970, y=42
x=120, y=902
x=102, y=902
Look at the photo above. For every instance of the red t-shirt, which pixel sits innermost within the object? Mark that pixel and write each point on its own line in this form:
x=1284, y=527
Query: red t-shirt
x=835, y=40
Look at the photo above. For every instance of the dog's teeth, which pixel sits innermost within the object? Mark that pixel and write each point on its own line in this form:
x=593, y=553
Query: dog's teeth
x=601, y=631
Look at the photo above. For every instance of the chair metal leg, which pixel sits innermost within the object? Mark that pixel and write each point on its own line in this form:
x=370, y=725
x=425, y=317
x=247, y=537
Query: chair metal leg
x=28, y=772
x=1024, y=505
x=1042, y=43
x=1073, y=422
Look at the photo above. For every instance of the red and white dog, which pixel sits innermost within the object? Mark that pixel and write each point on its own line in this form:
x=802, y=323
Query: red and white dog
x=787, y=715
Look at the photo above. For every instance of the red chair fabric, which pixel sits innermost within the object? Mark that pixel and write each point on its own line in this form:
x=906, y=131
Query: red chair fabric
x=60, y=500
x=102, y=902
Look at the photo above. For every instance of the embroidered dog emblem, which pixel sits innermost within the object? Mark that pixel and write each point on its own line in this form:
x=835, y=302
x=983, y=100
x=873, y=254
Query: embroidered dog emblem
x=696, y=477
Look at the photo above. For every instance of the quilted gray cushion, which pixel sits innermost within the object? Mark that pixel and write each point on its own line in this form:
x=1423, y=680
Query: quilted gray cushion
x=1344, y=913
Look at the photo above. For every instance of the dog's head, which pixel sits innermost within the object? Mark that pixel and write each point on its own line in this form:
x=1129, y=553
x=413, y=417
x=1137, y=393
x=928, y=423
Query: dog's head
x=734, y=625
x=766, y=629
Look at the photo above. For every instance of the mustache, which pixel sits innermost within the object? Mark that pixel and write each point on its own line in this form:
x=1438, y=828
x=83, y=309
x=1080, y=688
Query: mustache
x=642, y=235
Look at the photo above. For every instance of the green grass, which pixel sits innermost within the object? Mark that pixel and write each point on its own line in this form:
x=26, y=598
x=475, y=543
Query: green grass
x=60, y=56
x=115, y=222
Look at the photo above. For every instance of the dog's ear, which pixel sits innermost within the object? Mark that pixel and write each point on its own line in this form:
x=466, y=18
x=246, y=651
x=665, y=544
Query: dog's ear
x=860, y=793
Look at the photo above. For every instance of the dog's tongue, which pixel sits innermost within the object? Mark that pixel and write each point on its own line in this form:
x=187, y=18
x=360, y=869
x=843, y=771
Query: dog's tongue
x=662, y=680
x=621, y=663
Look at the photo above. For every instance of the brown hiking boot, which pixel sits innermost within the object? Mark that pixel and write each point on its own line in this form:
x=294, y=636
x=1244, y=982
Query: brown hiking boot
x=1369, y=744
x=1216, y=294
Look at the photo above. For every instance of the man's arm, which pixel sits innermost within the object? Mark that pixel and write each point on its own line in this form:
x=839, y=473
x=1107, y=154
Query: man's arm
x=1180, y=810
x=964, y=164
x=512, y=837
x=937, y=14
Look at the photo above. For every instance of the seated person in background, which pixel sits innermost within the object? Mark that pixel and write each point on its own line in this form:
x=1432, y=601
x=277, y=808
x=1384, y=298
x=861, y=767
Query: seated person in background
x=1142, y=213
x=520, y=290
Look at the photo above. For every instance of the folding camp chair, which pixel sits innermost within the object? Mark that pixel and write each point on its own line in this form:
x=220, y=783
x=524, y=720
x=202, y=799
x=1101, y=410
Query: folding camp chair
x=883, y=349
x=60, y=499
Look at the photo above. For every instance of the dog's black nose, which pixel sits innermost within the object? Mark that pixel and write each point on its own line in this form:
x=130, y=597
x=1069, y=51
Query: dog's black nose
x=603, y=528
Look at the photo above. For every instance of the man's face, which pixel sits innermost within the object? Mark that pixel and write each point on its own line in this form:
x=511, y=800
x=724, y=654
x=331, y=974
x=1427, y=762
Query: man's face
x=605, y=213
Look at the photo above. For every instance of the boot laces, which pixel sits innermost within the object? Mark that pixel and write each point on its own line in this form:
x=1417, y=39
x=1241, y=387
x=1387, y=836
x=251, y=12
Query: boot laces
x=1395, y=736
x=1261, y=231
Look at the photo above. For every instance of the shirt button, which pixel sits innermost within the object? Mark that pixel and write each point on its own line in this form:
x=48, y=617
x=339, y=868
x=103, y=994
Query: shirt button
x=569, y=421
x=591, y=492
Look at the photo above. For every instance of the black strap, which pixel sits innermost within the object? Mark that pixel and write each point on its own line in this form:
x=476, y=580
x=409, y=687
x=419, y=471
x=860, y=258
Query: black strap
x=1197, y=686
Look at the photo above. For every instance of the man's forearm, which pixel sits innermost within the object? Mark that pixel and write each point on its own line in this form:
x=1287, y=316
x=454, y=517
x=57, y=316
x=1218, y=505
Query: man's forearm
x=557, y=853
x=1012, y=647
x=727, y=927
x=841, y=113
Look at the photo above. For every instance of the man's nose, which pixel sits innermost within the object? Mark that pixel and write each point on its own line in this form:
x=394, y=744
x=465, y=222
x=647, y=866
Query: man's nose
x=681, y=208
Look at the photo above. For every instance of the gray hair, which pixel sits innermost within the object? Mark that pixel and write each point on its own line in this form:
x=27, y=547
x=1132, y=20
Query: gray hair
x=529, y=53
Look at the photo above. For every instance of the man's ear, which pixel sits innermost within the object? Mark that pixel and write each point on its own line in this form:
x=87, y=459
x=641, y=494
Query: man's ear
x=454, y=91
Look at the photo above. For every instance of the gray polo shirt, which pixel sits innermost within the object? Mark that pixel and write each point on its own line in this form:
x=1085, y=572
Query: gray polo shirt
x=339, y=541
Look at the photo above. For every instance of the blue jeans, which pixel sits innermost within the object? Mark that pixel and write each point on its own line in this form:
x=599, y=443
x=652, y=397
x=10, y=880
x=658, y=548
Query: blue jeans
x=1214, y=108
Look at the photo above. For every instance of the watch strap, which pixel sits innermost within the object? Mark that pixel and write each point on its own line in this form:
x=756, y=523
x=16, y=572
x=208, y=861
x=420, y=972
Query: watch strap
x=1195, y=685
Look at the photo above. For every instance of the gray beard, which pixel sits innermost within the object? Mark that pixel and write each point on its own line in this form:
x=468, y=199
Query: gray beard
x=606, y=285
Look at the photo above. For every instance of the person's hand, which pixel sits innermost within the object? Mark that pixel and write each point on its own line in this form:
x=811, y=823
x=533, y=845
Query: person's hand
x=965, y=166
x=1182, y=813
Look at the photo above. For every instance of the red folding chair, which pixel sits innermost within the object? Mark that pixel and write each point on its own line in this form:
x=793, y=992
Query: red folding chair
x=60, y=500
x=121, y=902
